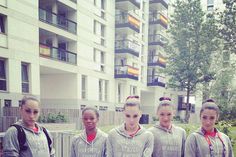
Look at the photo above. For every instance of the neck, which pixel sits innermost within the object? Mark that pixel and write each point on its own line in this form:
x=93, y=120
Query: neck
x=211, y=130
x=30, y=126
x=128, y=129
x=166, y=127
x=91, y=131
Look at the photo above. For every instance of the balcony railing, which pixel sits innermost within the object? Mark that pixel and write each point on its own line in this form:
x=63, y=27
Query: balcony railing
x=127, y=20
x=126, y=71
x=156, y=39
x=57, y=54
x=156, y=80
x=156, y=60
x=127, y=46
x=158, y=18
x=57, y=20
x=134, y=2
x=163, y=2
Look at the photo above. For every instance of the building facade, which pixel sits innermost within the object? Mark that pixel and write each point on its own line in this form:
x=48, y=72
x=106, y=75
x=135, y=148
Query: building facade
x=72, y=53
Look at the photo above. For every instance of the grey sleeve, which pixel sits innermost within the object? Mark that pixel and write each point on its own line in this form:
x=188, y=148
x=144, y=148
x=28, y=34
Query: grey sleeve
x=190, y=146
x=149, y=145
x=52, y=153
x=72, y=150
x=10, y=143
x=109, y=149
x=231, y=153
x=183, y=143
x=104, y=149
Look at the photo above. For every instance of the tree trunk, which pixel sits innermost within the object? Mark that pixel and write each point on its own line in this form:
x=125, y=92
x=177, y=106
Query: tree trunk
x=187, y=114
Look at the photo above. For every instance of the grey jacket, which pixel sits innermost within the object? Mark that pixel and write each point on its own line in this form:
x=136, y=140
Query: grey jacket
x=36, y=142
x=82, y=148
x=197, y=146
x=119, y=144
x=168, y=143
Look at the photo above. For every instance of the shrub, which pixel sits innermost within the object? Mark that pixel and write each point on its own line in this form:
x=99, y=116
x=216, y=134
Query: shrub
x=52, y=118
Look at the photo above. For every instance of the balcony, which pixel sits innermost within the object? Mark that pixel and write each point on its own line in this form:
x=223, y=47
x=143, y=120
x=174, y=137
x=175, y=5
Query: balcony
x=126, y=20
x=126, y=71
x=156, y=80
x=57, y=54
x=156, y=39
x=58, y=21
x=162, y=2
x=156, y=60
x=127, y=46
x=3, y=40
x=158, y=18
x=128, y=4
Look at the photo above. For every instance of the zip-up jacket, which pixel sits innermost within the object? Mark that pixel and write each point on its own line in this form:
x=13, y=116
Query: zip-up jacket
x=120, y=144
x=37, y=144
x=168, y=142
x=82, y=148
x=197, y=145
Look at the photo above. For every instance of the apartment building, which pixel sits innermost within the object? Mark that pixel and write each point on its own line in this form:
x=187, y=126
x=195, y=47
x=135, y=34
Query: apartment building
x=72, y=53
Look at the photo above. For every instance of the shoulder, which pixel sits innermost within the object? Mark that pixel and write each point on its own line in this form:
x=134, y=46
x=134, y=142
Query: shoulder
x=11, y=131
x=193, y=137
x=151, y=129
x=102, y=133
x=180, y=129
x=76, y=138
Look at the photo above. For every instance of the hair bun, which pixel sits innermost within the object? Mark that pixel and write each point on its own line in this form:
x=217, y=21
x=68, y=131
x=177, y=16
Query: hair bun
x=164, y=98
x=210, y=100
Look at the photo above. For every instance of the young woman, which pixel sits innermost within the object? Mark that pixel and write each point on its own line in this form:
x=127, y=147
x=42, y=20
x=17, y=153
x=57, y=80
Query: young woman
x=169, y=139
x=207, y=140
x=91, y=142
x=130, y=139
x=35, y=140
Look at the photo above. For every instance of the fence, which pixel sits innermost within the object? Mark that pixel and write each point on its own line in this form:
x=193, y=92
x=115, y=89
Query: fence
x=62, y=139
x=11, y=115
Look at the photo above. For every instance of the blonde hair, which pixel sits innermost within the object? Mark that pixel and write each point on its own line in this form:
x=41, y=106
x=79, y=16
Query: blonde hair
x=132, y=101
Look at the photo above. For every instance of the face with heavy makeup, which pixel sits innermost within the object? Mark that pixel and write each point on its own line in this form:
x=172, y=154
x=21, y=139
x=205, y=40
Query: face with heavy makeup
x=165, y=115
x=132, y=114
x=30, y=112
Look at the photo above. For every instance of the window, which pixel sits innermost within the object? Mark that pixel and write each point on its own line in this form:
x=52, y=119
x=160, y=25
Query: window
x=100, y=90
x=102, y=61
x=3, y=80
x=133, y=90
x=210, y=2
x=2, y=24
x=94, y=55
x=119, y=92
x=102, y=58
x=106, y=91
x=102, y=30
x=7, y=103
x=84, y=87
x=103, y=4
x=25, y=77
x=210, y=8
x=103, y=90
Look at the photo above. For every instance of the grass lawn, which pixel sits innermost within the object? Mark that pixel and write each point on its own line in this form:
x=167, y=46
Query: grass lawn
x=189, y=128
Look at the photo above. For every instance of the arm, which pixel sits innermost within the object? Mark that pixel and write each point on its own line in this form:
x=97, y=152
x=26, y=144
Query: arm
x=231, y=153
x=109, y=149
x=10, y=143
x=190, y=146
x=149, y=145
x=72, y=151
x=52, y=152
x=183, y=143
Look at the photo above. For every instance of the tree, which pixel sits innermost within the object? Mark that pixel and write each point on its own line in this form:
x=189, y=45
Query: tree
x=193, y=43
x=223, y=91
